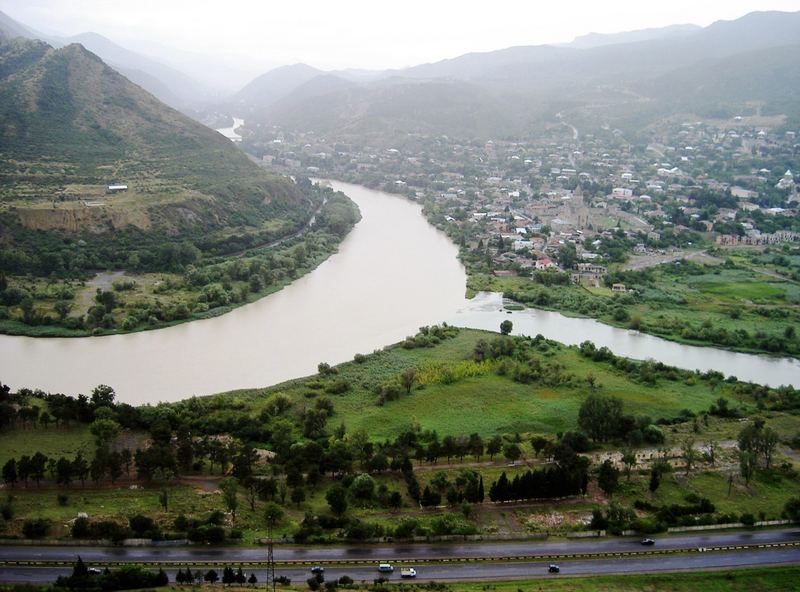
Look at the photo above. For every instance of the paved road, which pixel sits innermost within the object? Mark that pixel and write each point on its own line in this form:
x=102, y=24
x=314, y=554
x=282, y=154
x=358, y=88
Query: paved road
x=404, y=552
x=523, y=570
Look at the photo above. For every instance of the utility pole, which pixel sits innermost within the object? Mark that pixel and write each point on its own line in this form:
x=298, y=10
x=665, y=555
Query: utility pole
x=270, y=558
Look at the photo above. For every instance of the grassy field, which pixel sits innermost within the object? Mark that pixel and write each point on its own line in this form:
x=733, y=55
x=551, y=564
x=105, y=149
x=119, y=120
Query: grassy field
x=51, y=441
x=767, y=492
x=487, y=403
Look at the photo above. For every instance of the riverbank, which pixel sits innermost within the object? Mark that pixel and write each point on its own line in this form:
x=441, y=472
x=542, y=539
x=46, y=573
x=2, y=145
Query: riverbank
x=488, y=309
x=367, y=415
x=131, y=302
x=509, y=287
x=726, y=304
x=392, y=274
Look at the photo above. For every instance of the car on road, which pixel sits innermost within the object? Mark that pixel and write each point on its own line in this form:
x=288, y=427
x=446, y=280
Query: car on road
x=317, y=569
x=553, y=568
x=385, y=568
x=94, y=571
x=648, y=542
x=408, y=572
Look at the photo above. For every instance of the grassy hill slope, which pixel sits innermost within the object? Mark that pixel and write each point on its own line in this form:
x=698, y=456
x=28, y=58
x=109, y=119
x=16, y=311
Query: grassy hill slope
x=537, y=389
x=71, y=125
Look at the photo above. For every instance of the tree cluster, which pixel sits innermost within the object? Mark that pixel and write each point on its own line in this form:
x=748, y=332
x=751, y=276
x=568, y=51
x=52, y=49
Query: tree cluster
x=548, y=483
x=128, y=577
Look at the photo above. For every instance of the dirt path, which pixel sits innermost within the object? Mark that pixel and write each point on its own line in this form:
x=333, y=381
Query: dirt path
x=268, y=245
x=773, y=274
x=643, y=261
x=102, y=280
x=790, y=453
x=207, y=483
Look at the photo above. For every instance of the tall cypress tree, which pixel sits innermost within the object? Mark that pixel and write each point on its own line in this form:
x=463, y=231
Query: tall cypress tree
x=80, y=570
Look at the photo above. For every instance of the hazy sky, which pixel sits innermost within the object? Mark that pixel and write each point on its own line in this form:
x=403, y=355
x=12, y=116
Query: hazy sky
x=362, y=33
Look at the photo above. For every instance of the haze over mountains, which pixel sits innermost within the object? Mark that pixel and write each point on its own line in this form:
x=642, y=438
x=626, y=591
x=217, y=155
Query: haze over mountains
x=601, y=39
x=168, y=84
x=624, y=79
x=620, y=79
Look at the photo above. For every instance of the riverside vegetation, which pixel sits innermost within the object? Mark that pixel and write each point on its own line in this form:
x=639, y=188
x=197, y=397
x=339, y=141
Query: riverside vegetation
x=372, y=448
x=198, y=228
x=727, y=304
x=167, y=282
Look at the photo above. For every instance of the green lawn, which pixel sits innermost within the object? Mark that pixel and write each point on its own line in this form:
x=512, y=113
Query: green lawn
x=52, y=442
x=737, y=291
x=491, y=404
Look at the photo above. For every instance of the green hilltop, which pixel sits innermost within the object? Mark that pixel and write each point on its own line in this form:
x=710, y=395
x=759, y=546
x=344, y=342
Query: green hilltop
x=72, y=126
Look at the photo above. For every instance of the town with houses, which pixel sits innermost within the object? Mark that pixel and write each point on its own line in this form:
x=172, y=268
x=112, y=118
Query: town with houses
x=682, y=187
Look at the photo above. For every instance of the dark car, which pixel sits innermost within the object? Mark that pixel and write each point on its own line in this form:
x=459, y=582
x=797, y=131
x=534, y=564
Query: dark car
x=94, y=571
x=317, y=569
x=648, y=542
x=553, y=568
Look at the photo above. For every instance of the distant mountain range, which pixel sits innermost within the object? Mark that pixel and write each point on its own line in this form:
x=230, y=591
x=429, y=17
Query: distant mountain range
x=269, y=88
x=623, y=79
x=600, y=39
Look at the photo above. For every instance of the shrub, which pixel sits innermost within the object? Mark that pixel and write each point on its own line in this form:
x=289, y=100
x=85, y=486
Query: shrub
x=620, y=314
x=451, y=524
x=142, y=526
x=36, y=528
x=80, y=528
x=653, y=435
x=181, y=523
x=207, y=533
x=405, y=528
x=338, y=387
